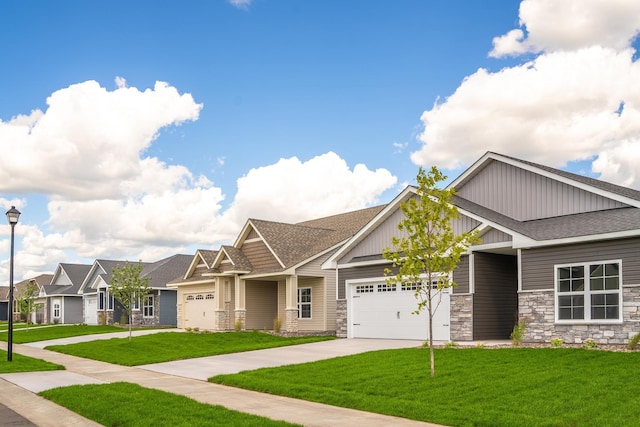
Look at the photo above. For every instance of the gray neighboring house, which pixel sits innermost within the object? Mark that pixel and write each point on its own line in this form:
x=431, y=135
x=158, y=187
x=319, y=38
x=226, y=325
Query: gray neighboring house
x=61, y=299
x=559, y=251
x=40, y=281
x=157, y=308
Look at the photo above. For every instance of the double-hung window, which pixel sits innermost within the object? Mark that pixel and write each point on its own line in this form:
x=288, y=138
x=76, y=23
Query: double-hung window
x=589, y=292
x=56, y=310
x=304, y=303
x=147, y=306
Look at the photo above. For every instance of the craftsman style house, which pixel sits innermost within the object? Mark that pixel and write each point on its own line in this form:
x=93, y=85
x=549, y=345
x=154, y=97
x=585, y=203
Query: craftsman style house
x=559, y=251
x=272, y=273
x=63, y=303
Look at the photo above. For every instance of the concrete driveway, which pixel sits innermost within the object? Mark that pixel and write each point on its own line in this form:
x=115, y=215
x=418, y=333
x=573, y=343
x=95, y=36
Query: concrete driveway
x=204, y=367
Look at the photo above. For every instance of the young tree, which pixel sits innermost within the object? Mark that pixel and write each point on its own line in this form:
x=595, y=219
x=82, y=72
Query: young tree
x=128, y=287
x=26, y=301
x=428, y=250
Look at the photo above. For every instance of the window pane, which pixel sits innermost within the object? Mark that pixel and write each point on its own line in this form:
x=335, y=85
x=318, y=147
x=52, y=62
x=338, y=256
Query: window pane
x=612, y=312
x=564, y=313
x=597, y=284
x=564, y=301
x=564, y=273
x=597, y=313
x=612, y=269
x=597, y=270
x=578, y=313
x=564, y=286
x=577, y=272
x=611, y=283
x=597, y=299
x=612, y=299
x=577, y=285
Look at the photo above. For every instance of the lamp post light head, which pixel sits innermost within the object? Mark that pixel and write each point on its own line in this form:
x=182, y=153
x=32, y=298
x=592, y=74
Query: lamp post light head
x=12, y=215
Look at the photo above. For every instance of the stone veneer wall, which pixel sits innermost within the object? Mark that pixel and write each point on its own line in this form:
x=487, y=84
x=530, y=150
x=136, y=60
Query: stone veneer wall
x=461, y=321
x=341, y=318
x=537, y=309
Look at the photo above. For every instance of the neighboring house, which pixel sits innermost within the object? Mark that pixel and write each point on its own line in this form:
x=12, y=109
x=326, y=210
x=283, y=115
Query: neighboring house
x=156, y=308
x=272, y=271
x=4, y=302
x=18, y=288
x=62, y=301
x=559, y=251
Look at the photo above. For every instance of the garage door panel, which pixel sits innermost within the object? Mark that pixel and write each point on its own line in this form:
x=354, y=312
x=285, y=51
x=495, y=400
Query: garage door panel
x=199, y=311
x=377, y=312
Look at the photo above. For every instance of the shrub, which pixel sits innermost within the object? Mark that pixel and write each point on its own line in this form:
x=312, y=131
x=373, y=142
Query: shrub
x=518, y=333
x=277, y=325
x=589, y=343
x=188, y=329
x=450, y=344
x=196, y=329
x=238, y=325
x=633, y=342
x=556, y=342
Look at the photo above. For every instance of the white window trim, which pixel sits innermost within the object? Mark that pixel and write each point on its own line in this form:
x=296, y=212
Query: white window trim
x=59, y=308
x=145, y=305
x=310, y=304
x=587, y=294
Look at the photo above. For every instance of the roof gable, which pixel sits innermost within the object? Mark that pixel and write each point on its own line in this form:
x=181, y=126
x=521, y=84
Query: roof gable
x=524, y=192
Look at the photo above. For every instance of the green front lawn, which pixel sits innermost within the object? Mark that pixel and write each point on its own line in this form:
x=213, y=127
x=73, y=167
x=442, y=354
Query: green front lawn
x=472, y=387
x=33, y=334
x=168, y=346
x=125, y=404
x=24, y=364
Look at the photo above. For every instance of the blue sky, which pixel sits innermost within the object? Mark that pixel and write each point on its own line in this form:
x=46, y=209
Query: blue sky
x=288, y=110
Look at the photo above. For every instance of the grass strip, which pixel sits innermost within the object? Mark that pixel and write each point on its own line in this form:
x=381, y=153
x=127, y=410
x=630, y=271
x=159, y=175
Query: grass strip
x=472, y=387
x=33, y=334
x=168, y=346
x=22, y=363
x=126, y=404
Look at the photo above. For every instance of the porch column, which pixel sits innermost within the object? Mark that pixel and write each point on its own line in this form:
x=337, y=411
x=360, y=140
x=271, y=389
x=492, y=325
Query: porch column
x=218, y=301
x=291, y=310
x=241, y=310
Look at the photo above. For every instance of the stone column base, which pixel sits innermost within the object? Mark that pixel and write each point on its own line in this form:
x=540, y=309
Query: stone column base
x=221, y=320
x=291, y=321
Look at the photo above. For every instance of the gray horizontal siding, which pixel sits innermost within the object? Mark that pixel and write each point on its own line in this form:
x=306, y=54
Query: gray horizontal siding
x=365, y=272
x=524, y=195
x=537, y=264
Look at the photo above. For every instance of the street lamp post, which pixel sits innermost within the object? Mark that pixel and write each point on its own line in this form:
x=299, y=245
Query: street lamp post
x=12, y=215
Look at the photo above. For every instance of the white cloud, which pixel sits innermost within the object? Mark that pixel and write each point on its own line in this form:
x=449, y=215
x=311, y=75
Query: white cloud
x=240, y=4
x=87, y=139
x=293, y=191
x=562, y=106
x=571, y=24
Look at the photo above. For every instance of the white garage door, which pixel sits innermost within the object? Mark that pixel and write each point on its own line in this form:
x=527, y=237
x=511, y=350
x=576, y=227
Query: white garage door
x=199, y=310
x=381, y=311
x=90, y=310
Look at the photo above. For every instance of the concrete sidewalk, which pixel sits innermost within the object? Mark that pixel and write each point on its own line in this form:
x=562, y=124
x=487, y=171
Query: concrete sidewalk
x=80, y=371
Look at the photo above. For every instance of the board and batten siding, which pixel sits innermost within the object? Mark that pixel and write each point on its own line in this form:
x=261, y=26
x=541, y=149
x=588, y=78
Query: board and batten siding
x=261, y=304
x=495, y=236
x=377, y=239
x=495, y=297
x=538, y=264
x=524, y=195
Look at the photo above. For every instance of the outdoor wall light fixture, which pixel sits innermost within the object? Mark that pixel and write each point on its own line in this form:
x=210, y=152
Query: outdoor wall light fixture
x=12, y=216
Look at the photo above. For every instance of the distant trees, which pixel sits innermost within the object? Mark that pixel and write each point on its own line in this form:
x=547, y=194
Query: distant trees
x=429, y=250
